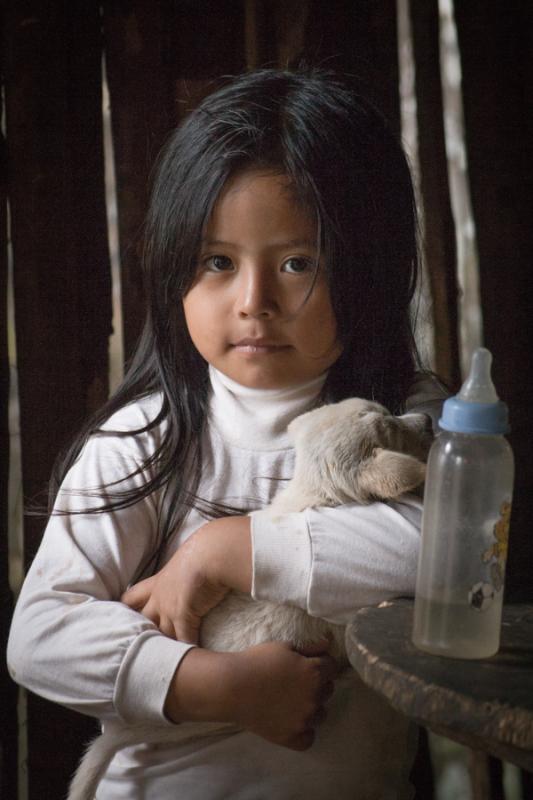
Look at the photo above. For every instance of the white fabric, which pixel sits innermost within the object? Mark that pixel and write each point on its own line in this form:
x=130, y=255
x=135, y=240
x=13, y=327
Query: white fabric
x=258, y=418
x=72, y=642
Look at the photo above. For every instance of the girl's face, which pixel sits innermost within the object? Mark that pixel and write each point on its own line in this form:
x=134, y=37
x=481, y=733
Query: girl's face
x=245, y=311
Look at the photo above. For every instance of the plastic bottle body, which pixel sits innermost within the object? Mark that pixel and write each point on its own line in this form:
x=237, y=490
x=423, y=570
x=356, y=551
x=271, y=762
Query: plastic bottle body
x=467, y=504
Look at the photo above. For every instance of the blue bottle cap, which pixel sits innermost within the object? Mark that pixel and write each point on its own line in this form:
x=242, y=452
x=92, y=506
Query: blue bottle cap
x=476, y=409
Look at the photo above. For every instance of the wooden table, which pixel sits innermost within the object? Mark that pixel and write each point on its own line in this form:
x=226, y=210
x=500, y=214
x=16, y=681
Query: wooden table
x=486, y=705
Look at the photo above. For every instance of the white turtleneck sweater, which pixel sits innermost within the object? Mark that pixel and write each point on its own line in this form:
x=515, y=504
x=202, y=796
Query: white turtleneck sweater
x=73, y=643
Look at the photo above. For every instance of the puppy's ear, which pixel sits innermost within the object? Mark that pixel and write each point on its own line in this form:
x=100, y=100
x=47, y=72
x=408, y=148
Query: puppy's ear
x=388, y=474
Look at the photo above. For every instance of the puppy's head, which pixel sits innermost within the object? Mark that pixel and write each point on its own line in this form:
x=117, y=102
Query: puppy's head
x=357, y=450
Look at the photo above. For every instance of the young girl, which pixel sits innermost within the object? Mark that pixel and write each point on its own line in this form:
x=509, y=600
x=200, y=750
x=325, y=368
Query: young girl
x=280, y=264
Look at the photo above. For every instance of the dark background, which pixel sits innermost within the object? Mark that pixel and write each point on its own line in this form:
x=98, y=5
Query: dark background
x=162, y=57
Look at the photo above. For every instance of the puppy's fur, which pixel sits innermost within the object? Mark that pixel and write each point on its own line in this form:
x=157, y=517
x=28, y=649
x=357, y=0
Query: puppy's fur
x=352, y=451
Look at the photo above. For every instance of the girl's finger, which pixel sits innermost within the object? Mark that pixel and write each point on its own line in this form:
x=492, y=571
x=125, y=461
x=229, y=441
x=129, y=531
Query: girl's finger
x=136, y=596
x=188, y=631
x=166, y=627
x=150, y=613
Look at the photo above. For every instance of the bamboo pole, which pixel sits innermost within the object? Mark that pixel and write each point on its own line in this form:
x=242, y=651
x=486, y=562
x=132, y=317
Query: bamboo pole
x=438, y=225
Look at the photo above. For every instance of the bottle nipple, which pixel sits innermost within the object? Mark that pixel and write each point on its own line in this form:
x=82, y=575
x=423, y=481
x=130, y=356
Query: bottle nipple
x=478, y=387
x=476, y=409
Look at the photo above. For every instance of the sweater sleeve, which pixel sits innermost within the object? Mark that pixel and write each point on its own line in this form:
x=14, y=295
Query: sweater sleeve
x=331, y=561
x=71, y=641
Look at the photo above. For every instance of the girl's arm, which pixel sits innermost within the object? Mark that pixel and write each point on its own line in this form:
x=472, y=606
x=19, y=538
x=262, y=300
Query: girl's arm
x=72, y=643
x=327, y=561
x=331, y=561
x=270, y=689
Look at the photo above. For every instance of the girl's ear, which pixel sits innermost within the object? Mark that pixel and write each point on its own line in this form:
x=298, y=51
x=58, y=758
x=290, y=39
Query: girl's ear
x=388, y=474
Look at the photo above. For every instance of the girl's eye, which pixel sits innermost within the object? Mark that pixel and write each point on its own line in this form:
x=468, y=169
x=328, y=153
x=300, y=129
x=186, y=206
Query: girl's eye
x=218, y=263
x=297, y=266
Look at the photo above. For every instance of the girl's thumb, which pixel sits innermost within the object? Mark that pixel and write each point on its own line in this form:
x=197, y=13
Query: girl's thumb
x=138, y=595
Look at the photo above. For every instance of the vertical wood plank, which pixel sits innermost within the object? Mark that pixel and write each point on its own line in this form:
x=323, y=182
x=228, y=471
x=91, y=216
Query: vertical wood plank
x=486, y=776
x=421, y=776
x=202, y=63
x=526, y=784
x=162, y=58
x=292, y=18
x=8, y=689
x=260, y=34
x=496, y=47
x=361, y=39
x=62, y=280
x=356, y=38
x=439, y=232
x=275, y=32
x=137, y=51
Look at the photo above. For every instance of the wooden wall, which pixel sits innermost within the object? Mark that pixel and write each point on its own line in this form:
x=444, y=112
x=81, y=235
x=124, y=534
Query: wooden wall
x=162, y=57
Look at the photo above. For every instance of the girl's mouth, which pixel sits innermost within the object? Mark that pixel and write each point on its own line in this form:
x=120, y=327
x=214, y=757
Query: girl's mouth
x=259, y=346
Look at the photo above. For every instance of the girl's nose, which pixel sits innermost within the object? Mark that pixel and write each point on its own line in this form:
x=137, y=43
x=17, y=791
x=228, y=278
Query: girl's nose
x=256, y=295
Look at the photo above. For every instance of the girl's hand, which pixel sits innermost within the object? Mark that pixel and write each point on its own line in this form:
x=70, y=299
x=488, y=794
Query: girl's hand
x=215, y=559
x=282, y=691
x=271, y=690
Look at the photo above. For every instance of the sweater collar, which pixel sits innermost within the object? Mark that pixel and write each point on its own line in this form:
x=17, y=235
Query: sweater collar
x=257, y=419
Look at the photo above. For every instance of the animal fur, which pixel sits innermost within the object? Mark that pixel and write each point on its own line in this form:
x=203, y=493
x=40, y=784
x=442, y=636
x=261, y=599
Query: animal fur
x=352, y=451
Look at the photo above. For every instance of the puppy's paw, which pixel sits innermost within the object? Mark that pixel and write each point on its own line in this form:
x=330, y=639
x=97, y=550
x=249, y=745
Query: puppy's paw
x=388, y=474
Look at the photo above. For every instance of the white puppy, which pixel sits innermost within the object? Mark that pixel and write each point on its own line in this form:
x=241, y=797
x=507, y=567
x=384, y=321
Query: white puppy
x=352, y=451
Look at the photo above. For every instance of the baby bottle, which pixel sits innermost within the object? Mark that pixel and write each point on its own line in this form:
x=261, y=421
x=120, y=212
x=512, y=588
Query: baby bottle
x=465, y=523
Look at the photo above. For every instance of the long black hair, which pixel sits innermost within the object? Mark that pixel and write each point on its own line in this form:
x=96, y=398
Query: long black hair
x=348, y=166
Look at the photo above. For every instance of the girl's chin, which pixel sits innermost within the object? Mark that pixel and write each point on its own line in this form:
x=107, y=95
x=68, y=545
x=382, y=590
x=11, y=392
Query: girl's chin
x=259, y=377
x=270, y=367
